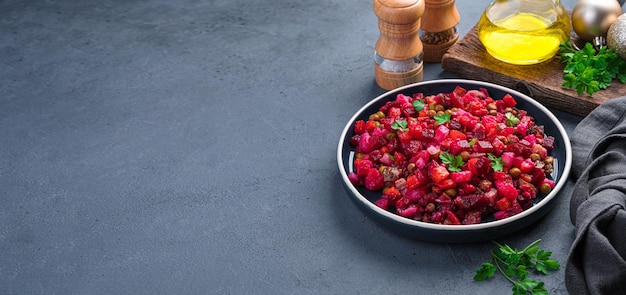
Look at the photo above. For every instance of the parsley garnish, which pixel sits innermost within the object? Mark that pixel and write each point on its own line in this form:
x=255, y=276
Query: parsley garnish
x=418, y=104
x=472, y=142
x=400, y=124
x=515, y=266
x=511, y=120
x=496, y=162
x=588, y=70
x=442, y=118
x=454, y=162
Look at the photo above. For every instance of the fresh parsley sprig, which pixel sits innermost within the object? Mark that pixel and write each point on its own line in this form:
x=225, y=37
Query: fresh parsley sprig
x=511, y=120
x=590, y=70
x=496, y=162
x=400, y=125
x=418, y=104
x=516, y=265
x=454, y=162
x=442, y=118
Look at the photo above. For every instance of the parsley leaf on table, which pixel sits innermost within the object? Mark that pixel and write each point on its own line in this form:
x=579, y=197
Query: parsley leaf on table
x=588, y=70
x=516, y=265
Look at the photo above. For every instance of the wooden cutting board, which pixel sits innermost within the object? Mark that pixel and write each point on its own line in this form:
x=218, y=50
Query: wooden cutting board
x=468, y=58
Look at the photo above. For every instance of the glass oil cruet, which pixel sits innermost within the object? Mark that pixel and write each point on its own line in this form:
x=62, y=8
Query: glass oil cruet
x=524, y=32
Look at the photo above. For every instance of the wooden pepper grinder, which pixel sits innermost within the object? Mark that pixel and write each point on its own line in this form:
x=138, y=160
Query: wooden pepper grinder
x=438, y=30
x=399, y=51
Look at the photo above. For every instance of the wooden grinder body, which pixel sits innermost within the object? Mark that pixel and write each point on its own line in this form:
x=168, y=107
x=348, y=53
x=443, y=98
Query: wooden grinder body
x=439, y=28
x=399, y=42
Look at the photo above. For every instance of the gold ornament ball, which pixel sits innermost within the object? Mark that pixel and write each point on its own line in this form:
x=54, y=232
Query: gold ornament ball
x=616, y=36
x=592, y=18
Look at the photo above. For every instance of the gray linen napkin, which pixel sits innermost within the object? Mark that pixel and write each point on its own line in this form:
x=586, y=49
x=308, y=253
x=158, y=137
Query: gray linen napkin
x=597, y=259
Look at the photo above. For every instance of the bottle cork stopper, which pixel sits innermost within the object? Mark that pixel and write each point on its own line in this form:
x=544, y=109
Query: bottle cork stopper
x=399, y=51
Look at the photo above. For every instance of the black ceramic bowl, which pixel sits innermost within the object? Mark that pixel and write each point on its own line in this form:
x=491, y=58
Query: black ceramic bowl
x=488, y=229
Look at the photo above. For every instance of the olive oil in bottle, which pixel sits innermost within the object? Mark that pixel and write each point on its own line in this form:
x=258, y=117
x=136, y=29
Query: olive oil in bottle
x=523, y=32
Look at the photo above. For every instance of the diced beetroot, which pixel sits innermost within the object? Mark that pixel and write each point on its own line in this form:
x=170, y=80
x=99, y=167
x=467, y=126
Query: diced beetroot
x=460, y=91
x=437, y=217
x=399, y=157
x=528, y=190
x=507, y=159
x=413, y=147
x=411, y=182
x=402, y=99
x=472, y=201
x=365, y=144
x=479, y=166
x=506, y=190
x=444, y=202
x=413, y=195
x=415, y=129
x=463, y=176
x=448, y=143
x=491, y=196
x=402, y=203
x=451, y=219
x=479, y=131
x=391, y=193
x=502, y=176
x=466, y=188
x=394, y=112
x=472, y=217
x=441, y=133
x=446, y=184
x=354, y=178
x=456, y=134
x=359, y=127
x=531, y=139
x=506, y=131
x=502, y=204
x=433, y=150
x=498, y=146
x=374, y=180
x=540, y=150
x=386, y=159
x=483, y=146
x=548, y=143
x=400, y=184
x=460, y=146
x=408, y=212
x=527, y=166
x=437, y=172
x=509, y=101
x=522, y=126
x=457, y=101
x=362, y=167
x=538, y=176
x=500, y=215
x=404, y=137
x=382, y=203
x=420, y=162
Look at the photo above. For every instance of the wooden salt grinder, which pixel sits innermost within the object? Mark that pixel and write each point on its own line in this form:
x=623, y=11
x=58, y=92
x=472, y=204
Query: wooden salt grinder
x=438, y=29
x=398, y=56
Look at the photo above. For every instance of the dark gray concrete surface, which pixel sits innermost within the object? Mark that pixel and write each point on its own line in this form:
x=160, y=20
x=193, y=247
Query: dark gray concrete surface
x=189, y=147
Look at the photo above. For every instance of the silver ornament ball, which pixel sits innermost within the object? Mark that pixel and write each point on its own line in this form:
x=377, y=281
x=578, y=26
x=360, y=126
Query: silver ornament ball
x=616, y=36
x=592, y=18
